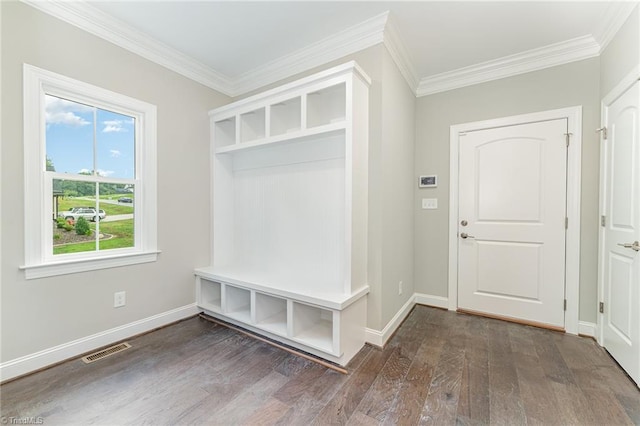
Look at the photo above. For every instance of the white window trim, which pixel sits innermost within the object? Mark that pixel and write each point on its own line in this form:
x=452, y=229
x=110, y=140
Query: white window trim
x=38, y=262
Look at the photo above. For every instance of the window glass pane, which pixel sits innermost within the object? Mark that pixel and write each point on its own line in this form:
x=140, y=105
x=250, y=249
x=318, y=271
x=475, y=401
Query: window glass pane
x=69, y=136
x=74, y=208
x=117, y=228
x=115, y=145
x=113, y=226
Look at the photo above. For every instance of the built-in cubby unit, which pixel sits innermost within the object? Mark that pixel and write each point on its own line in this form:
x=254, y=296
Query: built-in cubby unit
x=289, y=219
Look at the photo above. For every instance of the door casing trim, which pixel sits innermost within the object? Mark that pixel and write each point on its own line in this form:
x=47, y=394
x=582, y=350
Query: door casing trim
x=574, y=167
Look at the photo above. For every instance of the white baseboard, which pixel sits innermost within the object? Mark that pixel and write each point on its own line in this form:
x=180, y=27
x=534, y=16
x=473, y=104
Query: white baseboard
x=429, y=300
x=29, y=363
x=587, y=328
x=379, y=338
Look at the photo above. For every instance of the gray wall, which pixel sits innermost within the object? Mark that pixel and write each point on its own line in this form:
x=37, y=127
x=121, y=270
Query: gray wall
x=42, y=313
x=621, y=55
x=563, y=86
x=396, y=183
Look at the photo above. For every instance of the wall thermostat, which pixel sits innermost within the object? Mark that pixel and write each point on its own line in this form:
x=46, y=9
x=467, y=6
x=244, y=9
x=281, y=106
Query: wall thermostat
x=430, y=181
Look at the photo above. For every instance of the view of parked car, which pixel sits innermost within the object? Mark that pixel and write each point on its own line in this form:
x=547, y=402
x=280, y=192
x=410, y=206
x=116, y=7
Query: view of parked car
x=88, y=213
x=125, y=200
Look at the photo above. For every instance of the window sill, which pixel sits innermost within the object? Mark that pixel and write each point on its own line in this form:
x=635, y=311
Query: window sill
x=84, y=265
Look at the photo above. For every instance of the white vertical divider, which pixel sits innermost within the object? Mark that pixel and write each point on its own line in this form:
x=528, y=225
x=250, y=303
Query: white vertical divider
x=335, y=332
x=223, y=298
x=238, y=127
x=267, y=121
x=253, y=307
x=290, y=319
x=303, y=112
x=199, y=290
x=358, y=188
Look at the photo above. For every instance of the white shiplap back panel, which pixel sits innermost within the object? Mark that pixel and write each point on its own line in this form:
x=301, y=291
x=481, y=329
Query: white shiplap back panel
x=289, y=223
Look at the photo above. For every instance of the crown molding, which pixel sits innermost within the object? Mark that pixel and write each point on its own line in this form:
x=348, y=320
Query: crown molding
x=613, y=19
x=94, y=21
x=343, y=43
x=532, y=60
x=379, y=29
x=399, y=53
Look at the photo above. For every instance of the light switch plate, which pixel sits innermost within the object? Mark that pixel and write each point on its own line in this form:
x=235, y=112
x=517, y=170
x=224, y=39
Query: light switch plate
x=429, y=203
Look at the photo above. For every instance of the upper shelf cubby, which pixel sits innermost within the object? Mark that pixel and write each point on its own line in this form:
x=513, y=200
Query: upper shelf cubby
x=224, y=132
x=326, y=106
x=290, y=113
x=286, y=116
x=252, y=125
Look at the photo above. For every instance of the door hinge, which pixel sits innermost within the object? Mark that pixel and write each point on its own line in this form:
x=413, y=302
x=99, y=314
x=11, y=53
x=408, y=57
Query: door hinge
x=603, y=221
x=601, y=309
x=603, y=130
x=565, y=304
x=568, y=138
x=566, y=223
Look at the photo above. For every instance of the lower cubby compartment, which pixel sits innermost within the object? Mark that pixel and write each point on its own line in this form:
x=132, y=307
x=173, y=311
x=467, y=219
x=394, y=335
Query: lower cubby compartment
x=237, y=303
x=271, y=313
x=330, y=328
x=210, y=295
x=313, y=326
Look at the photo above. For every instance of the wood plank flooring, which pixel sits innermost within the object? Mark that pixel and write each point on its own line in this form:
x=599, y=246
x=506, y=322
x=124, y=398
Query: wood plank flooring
x=439, y=368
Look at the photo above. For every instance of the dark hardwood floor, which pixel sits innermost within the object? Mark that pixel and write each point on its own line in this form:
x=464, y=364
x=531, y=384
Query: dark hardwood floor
x=439, y=368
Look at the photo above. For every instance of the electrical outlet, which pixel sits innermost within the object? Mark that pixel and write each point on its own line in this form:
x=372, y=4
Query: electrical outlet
x=119, y=299
x=400, y=288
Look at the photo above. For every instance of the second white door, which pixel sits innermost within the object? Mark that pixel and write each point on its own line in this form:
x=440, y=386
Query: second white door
x=620, y=234
x=511, y=225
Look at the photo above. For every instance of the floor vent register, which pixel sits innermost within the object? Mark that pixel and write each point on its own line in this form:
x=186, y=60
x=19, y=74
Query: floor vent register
x=106, y=352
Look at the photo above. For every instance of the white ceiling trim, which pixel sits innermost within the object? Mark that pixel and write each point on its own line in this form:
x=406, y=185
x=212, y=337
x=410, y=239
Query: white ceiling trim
x=96, y=22
x=400, y=54
x=532, y=60
x=379, y=29
x=613, y=19
x=343, y=43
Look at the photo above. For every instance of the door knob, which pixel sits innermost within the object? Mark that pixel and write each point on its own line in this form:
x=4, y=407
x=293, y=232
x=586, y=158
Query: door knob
x=633, y=246
x=464, y=236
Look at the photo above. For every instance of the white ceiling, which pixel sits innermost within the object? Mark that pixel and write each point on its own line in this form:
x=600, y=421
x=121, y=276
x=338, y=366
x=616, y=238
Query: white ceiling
x=237, y=37
x=241, y=41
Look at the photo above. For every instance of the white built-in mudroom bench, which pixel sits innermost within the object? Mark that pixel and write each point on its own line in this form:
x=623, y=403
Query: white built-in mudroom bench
x=289, y=228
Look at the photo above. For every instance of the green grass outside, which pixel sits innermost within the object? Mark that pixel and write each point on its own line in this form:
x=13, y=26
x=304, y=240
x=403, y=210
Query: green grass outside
x=110, y=209
x=122, y=231
x=116, y=196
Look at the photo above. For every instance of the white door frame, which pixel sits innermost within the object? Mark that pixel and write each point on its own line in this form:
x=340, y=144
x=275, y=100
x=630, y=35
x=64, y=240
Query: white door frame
x=628, y=81
x=574, y=164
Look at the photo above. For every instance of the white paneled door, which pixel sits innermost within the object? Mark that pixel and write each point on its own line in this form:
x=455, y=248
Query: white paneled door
x=620, y=235
x=511, y=225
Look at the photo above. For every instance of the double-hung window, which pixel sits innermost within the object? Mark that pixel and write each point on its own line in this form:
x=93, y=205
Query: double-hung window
x=90, y=176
